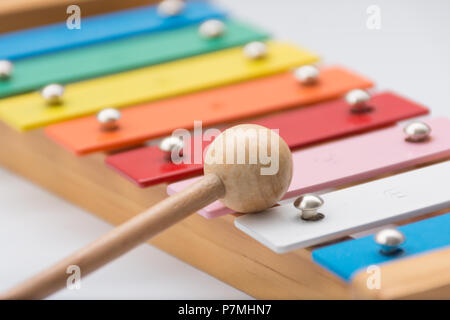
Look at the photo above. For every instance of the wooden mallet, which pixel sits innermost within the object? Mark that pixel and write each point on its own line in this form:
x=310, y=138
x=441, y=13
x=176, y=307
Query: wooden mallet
x=236, y=171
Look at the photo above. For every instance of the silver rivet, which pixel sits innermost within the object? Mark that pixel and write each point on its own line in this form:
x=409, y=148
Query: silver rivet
x=6, y=69
x=108, y=119
x=169, y=8
x=309, y=204
x=53, y=93
x=170, y=144
x=358, y=99
x=389, y=240
x=417, y=131
x=212, y=28
x=255, y=50
x=307, y=75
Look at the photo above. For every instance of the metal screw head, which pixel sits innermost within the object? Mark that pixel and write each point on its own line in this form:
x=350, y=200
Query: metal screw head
x=358, y=99
x=169, y=8
x=6, y=69
x=417, y=131
x=389, y=240
x=212, y=28
x=307, y=75
x=170, y=144
x=309, y=204
x=108, y=119
x=255, y=50
x=53, y=93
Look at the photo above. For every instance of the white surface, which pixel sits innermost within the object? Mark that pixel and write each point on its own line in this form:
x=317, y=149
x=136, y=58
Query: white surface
x=410, y=54
x=353, y=209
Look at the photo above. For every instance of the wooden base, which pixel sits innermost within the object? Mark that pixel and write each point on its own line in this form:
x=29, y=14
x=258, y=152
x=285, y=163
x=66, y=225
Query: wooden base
x=21, y=14
x=419, y=277
x=233, y=257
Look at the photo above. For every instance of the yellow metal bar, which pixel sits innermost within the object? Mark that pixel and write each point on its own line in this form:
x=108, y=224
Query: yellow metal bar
x=29, y=111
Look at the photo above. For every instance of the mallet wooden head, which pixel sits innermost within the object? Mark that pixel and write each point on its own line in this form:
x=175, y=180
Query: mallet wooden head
x=253, y=163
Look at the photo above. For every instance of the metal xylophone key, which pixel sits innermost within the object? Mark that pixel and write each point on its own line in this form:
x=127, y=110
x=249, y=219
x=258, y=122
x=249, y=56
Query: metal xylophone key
x=101, y=28
x=352, y=209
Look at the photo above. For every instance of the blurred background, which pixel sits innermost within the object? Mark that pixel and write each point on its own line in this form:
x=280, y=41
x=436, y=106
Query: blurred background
x=409, y=53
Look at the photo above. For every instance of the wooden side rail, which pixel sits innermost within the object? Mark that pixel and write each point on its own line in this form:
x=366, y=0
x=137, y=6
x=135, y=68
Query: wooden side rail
x=421, y=277
x=21, y=14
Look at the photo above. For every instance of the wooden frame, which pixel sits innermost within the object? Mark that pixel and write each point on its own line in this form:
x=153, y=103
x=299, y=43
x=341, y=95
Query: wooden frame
x=234, y=257
x=21, y=14
x=419, y=277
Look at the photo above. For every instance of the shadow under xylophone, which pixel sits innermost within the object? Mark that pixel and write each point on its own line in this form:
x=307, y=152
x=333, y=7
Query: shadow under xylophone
x=170, y=70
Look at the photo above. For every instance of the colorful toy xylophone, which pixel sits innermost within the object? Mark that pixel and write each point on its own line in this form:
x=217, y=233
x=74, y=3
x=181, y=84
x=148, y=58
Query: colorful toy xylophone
x=111, y=94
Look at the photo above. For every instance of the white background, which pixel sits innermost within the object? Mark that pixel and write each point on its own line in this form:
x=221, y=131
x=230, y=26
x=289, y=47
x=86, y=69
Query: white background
x=410, y=55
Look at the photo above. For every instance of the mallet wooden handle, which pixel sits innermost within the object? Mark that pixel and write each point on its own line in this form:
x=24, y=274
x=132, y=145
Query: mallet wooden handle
x=241, y=187
x=123, y=238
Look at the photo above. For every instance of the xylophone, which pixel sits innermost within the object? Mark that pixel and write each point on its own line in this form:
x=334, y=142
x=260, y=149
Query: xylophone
x=102, y=110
